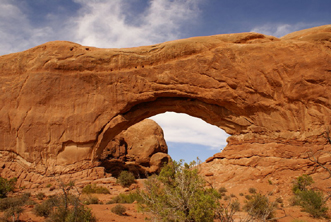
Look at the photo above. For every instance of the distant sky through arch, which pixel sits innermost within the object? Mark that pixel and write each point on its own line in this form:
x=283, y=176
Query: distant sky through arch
x=189, y=137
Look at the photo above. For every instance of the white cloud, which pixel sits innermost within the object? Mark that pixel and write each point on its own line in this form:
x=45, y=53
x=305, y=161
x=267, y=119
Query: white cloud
x=16, y=31
x=97, y=23
x=279, y=30
x=182, y=128
x=106, y=23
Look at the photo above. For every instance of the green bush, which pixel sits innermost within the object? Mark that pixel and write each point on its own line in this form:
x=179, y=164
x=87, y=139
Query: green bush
x=88, y=189
x=64, y=208
x=126, y=179
x=6, y=186
x=302, y=183
x=126, y=198
x=179, y=194
x=77, y=213
x=44, y=209
x=310, y=200
x=252, y=190
x=259, y=207
x=313, y=203
x=118, y=209
x=91, y=200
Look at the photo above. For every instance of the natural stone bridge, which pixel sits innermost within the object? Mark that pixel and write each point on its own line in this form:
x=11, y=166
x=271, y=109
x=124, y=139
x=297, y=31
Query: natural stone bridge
x=259, y=89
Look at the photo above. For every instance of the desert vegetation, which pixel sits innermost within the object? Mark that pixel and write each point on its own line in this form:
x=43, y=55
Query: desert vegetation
x=177, y=193
x=126, y=178
x=312, y=201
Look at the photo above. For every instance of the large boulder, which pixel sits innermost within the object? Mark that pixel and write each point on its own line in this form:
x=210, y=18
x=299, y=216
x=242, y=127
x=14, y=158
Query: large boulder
x=142, y=145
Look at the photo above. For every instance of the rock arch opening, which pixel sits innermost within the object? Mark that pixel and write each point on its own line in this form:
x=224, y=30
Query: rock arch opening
x=212, y=114
x=189, y=137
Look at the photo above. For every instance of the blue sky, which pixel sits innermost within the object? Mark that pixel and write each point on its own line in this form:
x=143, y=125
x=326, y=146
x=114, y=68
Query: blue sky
x=128, y=23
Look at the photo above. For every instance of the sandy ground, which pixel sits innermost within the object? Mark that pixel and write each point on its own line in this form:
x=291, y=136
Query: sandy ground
x=103, y=211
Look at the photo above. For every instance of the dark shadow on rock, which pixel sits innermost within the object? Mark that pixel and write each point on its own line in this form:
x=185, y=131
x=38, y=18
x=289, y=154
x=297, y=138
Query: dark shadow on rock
x=115, y=167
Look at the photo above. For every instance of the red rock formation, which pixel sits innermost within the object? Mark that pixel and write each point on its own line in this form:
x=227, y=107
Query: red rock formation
x=61, y=96
x=141, y=146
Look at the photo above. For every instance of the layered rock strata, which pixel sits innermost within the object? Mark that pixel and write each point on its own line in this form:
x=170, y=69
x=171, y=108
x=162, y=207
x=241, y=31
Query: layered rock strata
x=62, y=96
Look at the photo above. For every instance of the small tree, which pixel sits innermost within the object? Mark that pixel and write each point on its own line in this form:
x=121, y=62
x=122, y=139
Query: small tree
x=179, y=194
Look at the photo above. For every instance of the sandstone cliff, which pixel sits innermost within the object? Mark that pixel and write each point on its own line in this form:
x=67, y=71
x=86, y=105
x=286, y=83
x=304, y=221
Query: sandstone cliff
x=61, y=96
x=141, y=149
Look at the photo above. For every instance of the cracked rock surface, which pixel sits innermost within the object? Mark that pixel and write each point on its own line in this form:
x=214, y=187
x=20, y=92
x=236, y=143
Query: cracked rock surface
x=260, y=89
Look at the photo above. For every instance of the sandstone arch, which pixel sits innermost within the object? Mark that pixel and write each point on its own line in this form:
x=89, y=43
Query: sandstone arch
x=258, y=88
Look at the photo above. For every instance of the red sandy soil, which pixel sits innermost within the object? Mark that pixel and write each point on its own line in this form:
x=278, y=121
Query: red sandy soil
x=103, y=211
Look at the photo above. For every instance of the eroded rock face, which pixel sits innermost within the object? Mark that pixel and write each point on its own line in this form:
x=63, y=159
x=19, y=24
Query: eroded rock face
x=141, y=148
x=61, y=97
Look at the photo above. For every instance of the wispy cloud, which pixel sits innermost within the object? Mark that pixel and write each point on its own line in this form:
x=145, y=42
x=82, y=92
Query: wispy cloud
x=182, y=128
x=279, y=30
x=106, y=23
x=97, y=23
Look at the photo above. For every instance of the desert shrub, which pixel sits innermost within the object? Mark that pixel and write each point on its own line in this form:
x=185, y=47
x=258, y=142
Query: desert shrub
x=118, y=209
x=126, y=198
x=91, y=200
x=241, y=194
x=40, y=196
x=44, y=209
x=12, y=206
x=64, y=208
x=222, y=190
x=312, y=202
x=178, y=193
x=259, y=207
x=67, y=208
x=88, y=189
x=125, y=179
x=77, y=213
x=252, y=190
x=302, y=183
x=226, y=211
x=248, y=197
x=6, y=186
